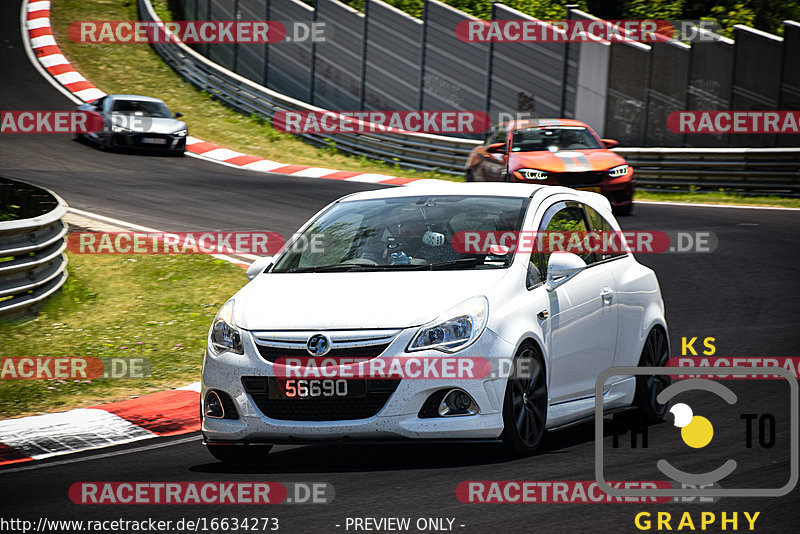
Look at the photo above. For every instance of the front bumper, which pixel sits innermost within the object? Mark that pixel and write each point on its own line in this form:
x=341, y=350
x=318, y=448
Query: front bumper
x=397, y=419
x=158, y=143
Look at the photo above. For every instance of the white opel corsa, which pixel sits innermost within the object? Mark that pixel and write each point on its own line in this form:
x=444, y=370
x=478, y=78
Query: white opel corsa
x=376, y=275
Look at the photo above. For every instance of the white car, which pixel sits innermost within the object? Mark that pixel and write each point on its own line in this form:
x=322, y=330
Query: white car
x=376, y=275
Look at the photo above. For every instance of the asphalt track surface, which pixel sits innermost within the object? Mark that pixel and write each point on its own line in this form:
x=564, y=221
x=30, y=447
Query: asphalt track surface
x=745, y=295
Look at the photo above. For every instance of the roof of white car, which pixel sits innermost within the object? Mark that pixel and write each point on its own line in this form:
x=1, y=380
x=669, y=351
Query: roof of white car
x=140, y=98
x=442, y=187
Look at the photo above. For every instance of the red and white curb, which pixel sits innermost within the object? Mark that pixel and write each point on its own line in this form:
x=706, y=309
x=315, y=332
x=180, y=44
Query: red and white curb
x=166, y=413
x=36, y=19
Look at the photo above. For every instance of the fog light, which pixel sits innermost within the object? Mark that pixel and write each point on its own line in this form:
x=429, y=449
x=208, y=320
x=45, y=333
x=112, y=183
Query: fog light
x=457, y=402
x=214, y=408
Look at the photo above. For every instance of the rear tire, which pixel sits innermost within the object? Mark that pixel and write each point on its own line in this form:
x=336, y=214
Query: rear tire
x=654, y=354
x=239, y=454
x=525, y=404
x=468, y=176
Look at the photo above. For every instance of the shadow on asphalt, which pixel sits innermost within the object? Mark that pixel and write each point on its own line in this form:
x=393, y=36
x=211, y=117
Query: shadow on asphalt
x=361, y=457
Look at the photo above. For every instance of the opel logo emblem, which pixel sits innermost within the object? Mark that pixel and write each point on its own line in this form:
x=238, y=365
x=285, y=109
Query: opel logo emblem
x=318, y=345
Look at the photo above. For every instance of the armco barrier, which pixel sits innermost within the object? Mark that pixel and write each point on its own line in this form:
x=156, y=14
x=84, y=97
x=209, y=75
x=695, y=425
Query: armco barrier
x=416, y=151
x=32, y=244
x=749, y=170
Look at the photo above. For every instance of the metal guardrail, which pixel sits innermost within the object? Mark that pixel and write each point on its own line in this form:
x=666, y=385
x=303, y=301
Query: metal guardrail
x=773, y=171
x=422, y=152
x=750, y=171
x=32, y=260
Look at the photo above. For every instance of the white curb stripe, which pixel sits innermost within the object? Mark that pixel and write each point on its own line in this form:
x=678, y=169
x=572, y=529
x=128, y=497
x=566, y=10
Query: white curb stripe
x=222, y=154
x=35, y=24
x=38, y=6
x=69, y=77
x=44, y=40
x=53, y=59
x=42, y=436
x=315, y=172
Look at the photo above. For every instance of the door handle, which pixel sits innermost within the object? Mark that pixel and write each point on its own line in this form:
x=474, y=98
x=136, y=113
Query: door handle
x=607, y=294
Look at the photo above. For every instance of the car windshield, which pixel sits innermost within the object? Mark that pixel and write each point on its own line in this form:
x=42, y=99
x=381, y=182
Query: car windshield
x=405, y=233
x=553, y=139
x=156, y=110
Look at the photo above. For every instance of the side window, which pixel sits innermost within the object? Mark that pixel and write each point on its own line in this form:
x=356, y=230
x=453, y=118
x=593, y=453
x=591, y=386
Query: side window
x=599, y=224
x=567, y=217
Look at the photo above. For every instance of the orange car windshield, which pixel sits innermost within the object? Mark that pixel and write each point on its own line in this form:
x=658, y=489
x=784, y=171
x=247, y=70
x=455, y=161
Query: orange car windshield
x=553, y=139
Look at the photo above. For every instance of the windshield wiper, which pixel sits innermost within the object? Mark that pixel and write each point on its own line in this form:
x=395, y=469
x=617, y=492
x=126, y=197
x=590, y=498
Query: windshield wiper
x=348, y=267
x=463, y=262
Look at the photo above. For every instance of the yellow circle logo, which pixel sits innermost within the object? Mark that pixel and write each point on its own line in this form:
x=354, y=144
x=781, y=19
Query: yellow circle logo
x=696, y=430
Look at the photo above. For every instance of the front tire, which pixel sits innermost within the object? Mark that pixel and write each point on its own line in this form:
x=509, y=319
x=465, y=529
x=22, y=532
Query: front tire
x=654, y=354
x=239, y=454
x=525, y=405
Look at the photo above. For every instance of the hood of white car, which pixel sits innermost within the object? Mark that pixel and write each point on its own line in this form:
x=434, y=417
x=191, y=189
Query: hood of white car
x=324, y=301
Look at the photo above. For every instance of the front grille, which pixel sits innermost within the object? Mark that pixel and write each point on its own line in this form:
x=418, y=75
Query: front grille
x=364, y=344
x=376, y=394
x=578, y=179
x=271, y=354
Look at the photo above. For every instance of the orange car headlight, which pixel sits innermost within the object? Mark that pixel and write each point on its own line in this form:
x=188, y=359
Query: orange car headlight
x=620, y=170
x=533, y=174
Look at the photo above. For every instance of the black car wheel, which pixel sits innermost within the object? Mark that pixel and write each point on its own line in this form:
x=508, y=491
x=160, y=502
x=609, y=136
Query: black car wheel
x=654, y=354
x=525, y=406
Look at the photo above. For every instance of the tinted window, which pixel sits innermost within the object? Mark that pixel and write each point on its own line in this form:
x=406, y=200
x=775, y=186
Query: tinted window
x=569, y=218
x=599, y=224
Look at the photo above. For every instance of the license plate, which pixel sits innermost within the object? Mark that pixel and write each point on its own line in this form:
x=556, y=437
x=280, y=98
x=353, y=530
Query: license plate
x=322, y=388
x=592, y=189
x=154, y=141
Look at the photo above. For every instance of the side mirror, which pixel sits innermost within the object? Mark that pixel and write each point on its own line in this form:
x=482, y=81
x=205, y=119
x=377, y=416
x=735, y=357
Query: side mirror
x=496, y=148
x=610, y=143
x=178, y=114
x=258, y=266
x=561, y=267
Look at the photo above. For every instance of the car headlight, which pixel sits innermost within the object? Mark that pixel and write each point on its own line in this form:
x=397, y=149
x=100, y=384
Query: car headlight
x=224, y=336
x=620, y=170
x=457, y=329
x=533, y=174
x=120, y=129
x=181, y=133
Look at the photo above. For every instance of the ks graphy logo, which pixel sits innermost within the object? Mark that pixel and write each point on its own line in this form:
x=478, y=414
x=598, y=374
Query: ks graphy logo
x=697, y=430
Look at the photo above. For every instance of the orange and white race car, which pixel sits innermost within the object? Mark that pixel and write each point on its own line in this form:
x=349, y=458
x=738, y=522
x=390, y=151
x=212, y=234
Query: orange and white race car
x=553, y=152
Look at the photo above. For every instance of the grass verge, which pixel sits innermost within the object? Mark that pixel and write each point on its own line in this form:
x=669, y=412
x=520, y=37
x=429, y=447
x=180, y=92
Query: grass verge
x=136, y=68
x=719, y=198
x=156, y=307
